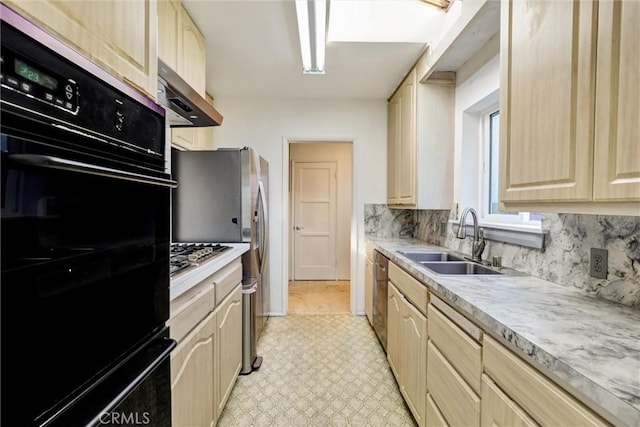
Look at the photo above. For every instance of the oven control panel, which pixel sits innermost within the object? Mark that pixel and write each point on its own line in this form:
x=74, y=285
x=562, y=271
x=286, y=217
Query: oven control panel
x=34, y=81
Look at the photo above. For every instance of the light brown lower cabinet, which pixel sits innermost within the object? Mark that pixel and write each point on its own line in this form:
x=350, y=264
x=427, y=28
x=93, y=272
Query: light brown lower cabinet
x=407, y=349
x=229, y=345
x=394, y=306
x=413, y=360
x=542, y=399
x=434, y=416
x=368, y=287
x=452, y=373
x=192, y=377
x=498, y=410
x=458, y=403
x=206, y=362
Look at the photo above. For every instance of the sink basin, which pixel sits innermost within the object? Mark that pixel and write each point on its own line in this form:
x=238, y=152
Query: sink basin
x=421, y=256
x=458, y=268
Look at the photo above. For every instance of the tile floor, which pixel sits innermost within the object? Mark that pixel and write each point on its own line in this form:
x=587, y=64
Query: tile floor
x=319, y=297
x=318, y=370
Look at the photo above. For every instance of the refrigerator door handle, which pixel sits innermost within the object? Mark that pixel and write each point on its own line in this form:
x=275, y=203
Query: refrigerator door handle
x=264, y=224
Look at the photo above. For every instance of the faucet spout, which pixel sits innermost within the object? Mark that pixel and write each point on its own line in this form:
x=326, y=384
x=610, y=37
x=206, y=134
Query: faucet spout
x=478, y=235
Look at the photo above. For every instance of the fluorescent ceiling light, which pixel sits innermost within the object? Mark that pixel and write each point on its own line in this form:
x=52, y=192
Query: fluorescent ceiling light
x=383, y=21
x=312, y=30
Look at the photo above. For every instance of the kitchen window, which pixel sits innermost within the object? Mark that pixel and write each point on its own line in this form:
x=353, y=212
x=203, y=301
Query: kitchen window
x=489, y=171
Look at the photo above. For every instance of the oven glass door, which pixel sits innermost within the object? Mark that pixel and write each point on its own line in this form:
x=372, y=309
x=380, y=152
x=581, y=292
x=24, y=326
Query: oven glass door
x=84, y=274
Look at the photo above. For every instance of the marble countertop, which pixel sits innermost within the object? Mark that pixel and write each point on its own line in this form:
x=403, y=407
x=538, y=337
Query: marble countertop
x=184, y=281
x=588, y=344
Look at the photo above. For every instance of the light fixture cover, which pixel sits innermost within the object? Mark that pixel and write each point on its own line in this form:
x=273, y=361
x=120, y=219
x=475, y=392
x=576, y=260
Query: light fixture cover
x=312, y=30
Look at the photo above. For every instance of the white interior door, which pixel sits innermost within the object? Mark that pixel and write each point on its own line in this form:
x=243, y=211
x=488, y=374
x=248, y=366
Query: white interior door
x=314, y=201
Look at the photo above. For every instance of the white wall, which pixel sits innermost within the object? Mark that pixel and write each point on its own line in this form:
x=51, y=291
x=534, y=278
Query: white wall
x=269, y=124
x=477, y=87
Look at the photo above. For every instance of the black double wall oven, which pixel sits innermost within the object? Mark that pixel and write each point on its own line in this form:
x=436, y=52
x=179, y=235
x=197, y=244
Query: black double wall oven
x=85, y=241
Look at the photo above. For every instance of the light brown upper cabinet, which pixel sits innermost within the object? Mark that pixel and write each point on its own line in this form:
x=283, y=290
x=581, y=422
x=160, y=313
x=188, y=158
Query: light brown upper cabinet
x=393, y=148
x=570, y=104
x=181, y=45
x=119, y=36
x=168, y=22
x=420, y=145
x=617, y=136
x=191, y=54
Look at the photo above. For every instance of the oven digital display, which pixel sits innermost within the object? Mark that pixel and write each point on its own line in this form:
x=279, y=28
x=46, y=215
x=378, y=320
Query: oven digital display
x=30, y=73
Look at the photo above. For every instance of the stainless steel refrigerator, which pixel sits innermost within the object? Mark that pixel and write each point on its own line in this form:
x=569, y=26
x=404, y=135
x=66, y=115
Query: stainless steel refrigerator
x=222, y=197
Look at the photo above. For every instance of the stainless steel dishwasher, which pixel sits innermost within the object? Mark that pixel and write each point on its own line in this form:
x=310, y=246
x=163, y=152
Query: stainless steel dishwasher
x=380, y=278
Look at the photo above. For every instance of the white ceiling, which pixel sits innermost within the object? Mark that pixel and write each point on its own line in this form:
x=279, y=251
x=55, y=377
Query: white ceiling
x=253, y=51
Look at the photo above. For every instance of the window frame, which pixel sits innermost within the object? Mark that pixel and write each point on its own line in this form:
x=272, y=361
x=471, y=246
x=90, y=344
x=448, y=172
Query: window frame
x=522, y=219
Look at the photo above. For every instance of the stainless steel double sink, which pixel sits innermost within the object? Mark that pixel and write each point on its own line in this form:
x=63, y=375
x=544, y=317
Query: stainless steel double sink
x=446, y=263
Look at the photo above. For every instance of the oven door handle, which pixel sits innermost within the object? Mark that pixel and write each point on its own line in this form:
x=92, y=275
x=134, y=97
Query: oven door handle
x=51, y=162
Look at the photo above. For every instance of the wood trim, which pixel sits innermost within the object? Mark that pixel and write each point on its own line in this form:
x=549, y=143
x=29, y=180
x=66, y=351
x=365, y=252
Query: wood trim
x=440, y=4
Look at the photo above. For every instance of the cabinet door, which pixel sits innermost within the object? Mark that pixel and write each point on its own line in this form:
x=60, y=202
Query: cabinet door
x=229, y=335
x=192, y=68
x=393, y=147
x=188, y=138
x=394, y=306
x=168, y=22
x=547, y=100
x=617, y=132
x=413, y=360
x=191, y=54
x=368, y=289
x=498, y=410
x=119, y=36
x=406, y=157
x=192, y=377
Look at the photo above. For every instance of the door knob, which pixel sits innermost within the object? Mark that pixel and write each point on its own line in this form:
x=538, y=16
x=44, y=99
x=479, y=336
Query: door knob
x=298, y=228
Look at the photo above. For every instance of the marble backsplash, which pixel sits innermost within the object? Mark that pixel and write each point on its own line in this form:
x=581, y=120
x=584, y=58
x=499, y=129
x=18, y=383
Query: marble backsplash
x=564, y=259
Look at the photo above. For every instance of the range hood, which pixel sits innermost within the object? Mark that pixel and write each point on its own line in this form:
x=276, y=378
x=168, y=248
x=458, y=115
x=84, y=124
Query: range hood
x=185, y=107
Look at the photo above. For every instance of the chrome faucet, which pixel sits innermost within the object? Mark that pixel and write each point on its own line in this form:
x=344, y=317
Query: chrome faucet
x=478, y=234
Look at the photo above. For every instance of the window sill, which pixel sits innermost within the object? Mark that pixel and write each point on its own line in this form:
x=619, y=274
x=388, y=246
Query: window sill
x=516, y=234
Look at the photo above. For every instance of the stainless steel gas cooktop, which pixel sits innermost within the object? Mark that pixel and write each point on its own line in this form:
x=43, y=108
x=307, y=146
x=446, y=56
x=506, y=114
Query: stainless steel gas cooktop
x=188, y=255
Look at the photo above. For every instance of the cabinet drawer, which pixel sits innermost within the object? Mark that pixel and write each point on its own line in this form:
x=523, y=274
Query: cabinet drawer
x=226, y=279
x=457, y=401
x=546, y=402
x=434, y=416
x=464, y=354
x=190, y=308
x=499, y=410
x=413, y=290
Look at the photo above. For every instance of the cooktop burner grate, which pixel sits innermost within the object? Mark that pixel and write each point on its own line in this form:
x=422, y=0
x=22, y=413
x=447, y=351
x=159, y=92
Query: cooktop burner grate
x=187, y=255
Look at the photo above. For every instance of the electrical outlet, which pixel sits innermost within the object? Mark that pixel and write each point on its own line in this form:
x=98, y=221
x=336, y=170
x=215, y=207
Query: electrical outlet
x=443, y=228
x=598, y=263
